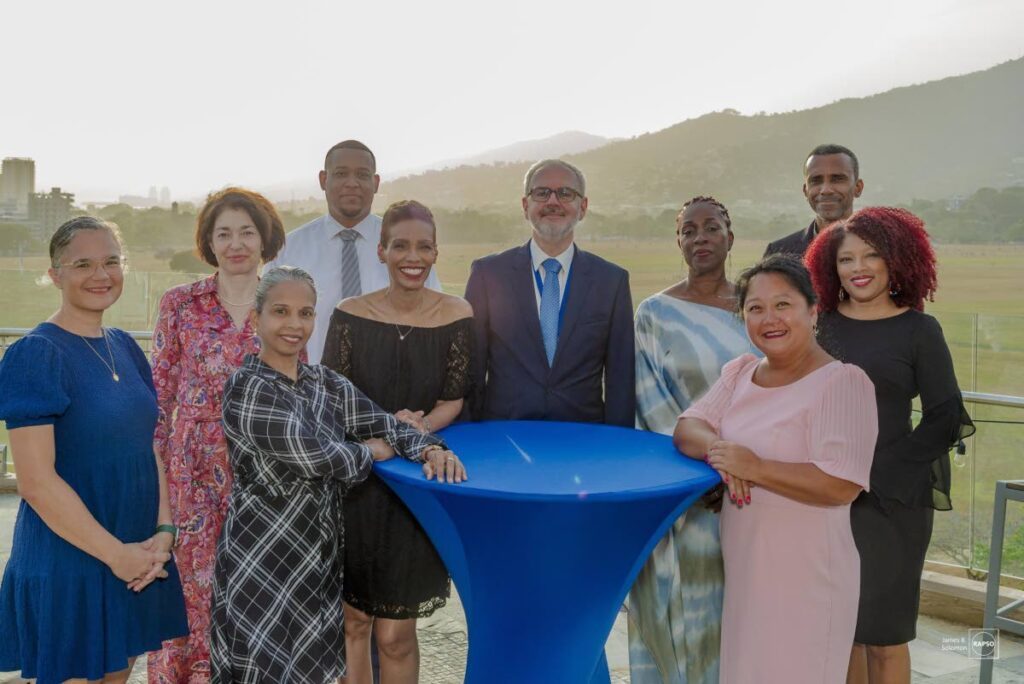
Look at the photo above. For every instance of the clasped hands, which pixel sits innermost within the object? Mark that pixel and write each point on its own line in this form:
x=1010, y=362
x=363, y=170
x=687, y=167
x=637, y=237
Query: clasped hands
x=138, y=564
x=738, y=467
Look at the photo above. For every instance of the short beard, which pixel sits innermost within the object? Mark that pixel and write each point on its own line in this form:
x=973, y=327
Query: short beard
x=552, y=233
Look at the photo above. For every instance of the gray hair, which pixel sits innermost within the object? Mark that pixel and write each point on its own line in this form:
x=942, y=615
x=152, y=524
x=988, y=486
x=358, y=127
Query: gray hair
x=543, y=164
x=278, y=275
x=69, y=229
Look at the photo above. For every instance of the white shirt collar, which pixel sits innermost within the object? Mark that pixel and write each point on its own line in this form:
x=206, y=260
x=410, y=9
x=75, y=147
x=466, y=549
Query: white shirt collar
x=368, y=228
x=539, y=256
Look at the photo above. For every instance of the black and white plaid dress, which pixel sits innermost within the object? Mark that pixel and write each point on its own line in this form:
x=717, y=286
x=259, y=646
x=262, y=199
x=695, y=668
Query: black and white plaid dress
x=295, y=447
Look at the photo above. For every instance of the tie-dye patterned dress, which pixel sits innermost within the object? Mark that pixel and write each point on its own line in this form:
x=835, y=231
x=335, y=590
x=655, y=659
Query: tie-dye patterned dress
x=675, y=606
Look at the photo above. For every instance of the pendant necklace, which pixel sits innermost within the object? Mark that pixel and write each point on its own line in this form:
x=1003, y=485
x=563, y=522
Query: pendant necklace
x=110, y=366
x=401, y=335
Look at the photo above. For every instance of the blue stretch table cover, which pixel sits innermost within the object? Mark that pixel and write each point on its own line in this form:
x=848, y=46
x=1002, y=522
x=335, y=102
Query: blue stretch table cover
x=547, y=535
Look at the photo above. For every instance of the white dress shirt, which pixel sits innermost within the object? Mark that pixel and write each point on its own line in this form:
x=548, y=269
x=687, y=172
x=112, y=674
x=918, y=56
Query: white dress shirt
x=539, y=256
x=316, y=248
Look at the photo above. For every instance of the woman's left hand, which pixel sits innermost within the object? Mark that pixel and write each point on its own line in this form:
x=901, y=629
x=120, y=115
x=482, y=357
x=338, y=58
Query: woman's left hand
x=738, y=466
x=443, y=463
x=161, y=541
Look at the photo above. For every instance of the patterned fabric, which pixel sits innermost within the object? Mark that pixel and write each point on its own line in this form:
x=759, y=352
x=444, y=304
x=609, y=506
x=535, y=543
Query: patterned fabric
x=350, y=283
x=196, y=347
x=675, y=606
x=549, y=301
x=277, y=606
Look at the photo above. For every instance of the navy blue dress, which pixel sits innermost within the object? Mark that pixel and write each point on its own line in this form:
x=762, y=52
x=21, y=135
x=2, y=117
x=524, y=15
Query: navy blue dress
x=63, y=613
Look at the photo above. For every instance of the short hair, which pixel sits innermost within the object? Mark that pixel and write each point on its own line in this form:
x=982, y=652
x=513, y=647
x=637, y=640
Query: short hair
x=901, y=240
x=832, y=148
x=787, y=266
x=276, y=276
x=352, y=145
x=262, y=212
x=704, y=199
x=405, y=210
x=543, y=164
x=62, y=237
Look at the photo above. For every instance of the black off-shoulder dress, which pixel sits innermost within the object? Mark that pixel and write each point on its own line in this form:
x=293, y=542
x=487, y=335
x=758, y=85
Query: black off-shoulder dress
x=391, y=568
x=905, y=356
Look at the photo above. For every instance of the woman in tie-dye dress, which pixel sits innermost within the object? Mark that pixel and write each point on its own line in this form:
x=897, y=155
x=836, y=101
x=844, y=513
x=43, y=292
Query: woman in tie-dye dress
x=684, y=336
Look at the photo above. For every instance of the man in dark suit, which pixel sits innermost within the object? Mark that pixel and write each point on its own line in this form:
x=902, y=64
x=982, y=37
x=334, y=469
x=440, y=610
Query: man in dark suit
x=553, y=324
x=831, y=182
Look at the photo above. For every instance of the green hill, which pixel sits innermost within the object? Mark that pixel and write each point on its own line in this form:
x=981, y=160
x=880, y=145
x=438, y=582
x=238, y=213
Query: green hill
x=929, y=141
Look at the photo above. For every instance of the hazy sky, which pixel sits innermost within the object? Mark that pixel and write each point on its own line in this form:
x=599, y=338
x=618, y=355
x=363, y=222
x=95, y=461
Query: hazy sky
x=113, y=97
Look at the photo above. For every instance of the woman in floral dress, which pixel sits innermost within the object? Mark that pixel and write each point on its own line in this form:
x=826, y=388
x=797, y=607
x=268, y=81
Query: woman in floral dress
x=202, y=335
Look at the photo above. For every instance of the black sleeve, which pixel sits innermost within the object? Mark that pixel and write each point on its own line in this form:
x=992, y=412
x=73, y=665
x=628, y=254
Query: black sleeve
x=338, y=347
x=944, y=420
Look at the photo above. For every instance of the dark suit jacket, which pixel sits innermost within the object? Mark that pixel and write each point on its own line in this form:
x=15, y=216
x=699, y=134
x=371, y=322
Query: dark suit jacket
x=796, y=243
x=512, y=380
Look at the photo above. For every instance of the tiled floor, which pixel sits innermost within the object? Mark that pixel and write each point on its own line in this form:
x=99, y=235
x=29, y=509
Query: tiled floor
x=938, y=654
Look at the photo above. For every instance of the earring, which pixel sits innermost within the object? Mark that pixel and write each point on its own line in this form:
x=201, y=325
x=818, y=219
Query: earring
x=842, y=294
x=894, y=289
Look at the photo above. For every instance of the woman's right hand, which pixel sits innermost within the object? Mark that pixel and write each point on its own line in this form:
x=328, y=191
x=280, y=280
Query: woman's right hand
x=380, y=449
x=134, y=561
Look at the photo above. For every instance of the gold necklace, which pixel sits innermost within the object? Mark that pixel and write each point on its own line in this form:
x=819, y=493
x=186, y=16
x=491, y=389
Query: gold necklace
x=224, y=300
x=110, y=366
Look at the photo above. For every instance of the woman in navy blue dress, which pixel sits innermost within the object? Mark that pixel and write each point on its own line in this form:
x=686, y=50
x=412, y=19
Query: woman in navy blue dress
x=90, y=584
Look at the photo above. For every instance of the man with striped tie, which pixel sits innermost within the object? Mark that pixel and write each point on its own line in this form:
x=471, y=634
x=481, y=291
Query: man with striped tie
x=339, y=249
x=553, y=324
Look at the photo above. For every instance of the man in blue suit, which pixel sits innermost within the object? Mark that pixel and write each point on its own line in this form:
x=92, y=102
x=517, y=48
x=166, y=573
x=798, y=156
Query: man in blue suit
x=553, y=324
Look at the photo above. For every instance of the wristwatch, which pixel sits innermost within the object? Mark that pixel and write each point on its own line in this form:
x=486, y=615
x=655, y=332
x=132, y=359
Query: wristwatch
x=170, y=529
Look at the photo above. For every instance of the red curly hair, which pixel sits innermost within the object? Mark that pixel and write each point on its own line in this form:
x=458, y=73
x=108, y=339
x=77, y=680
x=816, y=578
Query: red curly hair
x=900, y=238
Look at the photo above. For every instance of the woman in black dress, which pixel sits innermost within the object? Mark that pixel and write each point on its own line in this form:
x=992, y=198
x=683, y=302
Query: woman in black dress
x=408, y=348
x=873, y=273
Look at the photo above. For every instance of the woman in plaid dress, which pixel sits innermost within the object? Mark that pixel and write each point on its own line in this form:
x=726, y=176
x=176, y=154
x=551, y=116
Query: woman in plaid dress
x=298, y=436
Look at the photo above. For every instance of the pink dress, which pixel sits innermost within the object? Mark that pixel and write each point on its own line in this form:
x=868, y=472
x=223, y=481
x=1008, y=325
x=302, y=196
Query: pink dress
x=792, y=571
x=196, y=347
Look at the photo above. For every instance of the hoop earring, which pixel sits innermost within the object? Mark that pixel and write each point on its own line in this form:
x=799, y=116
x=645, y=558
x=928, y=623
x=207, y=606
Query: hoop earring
x=842, y=294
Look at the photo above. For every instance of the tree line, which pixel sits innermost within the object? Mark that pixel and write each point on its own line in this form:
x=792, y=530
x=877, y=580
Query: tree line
x=988, y=215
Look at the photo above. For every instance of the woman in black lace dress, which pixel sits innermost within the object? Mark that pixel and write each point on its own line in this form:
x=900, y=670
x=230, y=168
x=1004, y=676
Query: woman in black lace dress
x=408, y=348
x=873, y=273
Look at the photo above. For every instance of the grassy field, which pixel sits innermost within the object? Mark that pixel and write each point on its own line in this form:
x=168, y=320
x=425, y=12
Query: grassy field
x=979, y=304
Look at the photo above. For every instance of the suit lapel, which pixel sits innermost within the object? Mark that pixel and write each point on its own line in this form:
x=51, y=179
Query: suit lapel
x=580, y=286
x=526, y=300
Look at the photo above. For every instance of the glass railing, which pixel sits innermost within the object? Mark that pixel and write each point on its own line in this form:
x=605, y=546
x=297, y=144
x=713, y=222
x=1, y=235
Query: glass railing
x=988, y=353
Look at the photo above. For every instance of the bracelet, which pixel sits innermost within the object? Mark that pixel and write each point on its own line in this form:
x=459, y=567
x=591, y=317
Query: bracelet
x=171, y=530
x=426, y=424
x=432, y=447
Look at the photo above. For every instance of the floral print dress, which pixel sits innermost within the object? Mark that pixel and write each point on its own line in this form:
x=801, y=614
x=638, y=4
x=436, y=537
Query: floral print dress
x=196, y=348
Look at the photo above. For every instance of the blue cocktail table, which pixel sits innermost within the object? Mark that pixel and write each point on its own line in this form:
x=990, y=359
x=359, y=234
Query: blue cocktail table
x=546, y=537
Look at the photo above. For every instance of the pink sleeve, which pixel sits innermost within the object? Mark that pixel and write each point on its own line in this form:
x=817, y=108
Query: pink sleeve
x=844, y=426
x=712, y=406
x=165, y=359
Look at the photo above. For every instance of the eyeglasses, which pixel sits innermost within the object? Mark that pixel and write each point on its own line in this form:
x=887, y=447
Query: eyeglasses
x=565, y=195
x=90, y=267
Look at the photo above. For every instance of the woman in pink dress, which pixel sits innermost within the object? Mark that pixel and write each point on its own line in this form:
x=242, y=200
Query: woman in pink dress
x=202, y=335
x=793, y=436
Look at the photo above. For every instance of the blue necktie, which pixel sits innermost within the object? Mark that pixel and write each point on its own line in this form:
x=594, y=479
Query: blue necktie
x=549, y=305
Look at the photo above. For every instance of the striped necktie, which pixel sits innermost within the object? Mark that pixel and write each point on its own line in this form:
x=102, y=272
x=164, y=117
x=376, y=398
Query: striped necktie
x=351, y=286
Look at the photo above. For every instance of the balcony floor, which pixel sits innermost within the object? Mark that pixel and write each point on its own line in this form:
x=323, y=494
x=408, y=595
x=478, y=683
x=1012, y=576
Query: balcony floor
x=934, y=653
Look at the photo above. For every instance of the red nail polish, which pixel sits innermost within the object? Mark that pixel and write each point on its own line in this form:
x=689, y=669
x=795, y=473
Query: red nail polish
x=748, y=499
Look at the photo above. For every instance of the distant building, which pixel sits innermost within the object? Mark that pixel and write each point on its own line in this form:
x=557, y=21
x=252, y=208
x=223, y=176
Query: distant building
x=165, y=196
x=47, y=210
x=137, y=201
x=17, y=183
